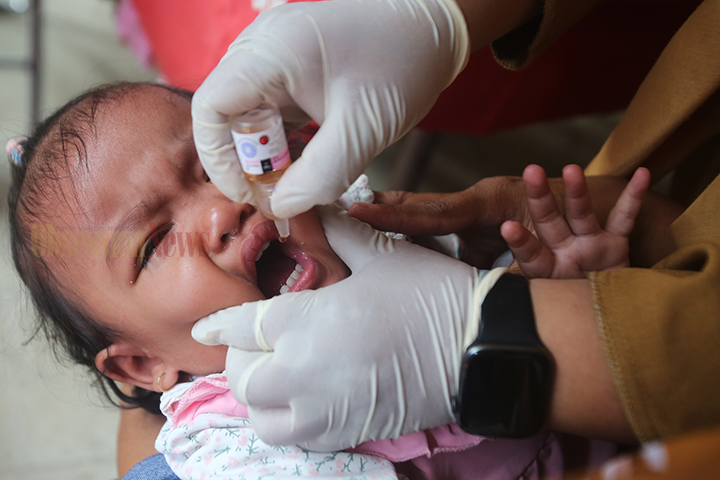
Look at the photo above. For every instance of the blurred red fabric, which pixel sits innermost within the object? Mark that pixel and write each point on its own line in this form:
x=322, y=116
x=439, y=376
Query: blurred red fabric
x=595, y=67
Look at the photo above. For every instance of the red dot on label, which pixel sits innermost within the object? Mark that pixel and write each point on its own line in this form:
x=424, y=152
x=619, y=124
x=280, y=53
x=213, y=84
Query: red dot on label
x=264, y=139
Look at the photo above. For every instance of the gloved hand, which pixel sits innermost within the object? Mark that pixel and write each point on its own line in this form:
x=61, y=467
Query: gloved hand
x=374, y=356
x=367, y=71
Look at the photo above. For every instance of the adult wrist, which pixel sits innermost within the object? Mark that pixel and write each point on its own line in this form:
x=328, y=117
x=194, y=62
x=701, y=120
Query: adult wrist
x=484, y=282
x=507, y=373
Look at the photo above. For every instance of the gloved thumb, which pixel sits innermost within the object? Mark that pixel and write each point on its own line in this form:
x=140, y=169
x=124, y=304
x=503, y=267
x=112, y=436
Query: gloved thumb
x=330, y=162
x=216, y=150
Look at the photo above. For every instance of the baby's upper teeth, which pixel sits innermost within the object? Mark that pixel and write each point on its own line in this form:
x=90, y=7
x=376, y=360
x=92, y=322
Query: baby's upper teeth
x=262, y=249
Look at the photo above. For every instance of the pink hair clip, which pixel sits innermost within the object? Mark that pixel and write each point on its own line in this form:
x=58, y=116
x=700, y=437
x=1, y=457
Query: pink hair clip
x=14, y=148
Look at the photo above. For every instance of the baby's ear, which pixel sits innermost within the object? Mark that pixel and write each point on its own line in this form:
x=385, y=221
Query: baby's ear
x=127, y=364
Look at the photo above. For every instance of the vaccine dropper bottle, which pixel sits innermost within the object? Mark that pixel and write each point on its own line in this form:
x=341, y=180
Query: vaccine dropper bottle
x=262, y=148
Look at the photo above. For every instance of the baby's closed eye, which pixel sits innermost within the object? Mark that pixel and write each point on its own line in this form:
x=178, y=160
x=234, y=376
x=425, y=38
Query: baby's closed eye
x=150, y=246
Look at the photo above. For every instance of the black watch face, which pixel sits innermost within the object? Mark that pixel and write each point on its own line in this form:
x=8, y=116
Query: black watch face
x=505, y=391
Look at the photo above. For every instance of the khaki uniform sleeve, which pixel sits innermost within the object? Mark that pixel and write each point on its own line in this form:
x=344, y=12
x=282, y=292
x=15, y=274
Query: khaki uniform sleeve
x=519, y=47
x=661, y=328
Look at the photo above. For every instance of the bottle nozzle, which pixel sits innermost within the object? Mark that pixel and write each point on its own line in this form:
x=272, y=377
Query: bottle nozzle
x=283, y=228
x=262, y=192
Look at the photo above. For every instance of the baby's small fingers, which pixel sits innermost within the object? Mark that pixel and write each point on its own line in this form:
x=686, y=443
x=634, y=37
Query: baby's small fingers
x=622, y=217
x=579, y=211
x=532, y=257
x=549, y=223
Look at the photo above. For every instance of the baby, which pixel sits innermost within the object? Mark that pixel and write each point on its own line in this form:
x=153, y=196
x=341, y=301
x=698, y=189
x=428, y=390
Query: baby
x=124, y=244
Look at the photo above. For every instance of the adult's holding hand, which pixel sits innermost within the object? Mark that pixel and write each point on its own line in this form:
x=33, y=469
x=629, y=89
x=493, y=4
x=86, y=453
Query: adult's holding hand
x=320, y=61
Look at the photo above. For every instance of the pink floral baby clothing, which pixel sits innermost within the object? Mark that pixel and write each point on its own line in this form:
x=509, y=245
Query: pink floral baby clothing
x=208, y=436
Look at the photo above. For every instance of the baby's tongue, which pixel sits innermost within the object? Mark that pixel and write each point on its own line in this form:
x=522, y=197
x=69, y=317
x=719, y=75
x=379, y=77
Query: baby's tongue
x=273, y=270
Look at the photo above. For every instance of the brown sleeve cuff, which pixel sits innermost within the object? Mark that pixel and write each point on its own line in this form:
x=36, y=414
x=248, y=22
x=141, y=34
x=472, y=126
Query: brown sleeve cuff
x=518, y=48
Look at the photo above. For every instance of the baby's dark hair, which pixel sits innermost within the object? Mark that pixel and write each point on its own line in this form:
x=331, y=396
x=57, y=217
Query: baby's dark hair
x=47, y=158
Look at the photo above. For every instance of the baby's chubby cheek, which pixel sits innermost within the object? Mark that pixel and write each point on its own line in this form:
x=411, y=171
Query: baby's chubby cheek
x=200, y=288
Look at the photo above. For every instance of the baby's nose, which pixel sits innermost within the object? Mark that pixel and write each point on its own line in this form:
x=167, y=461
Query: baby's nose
x=224, y=220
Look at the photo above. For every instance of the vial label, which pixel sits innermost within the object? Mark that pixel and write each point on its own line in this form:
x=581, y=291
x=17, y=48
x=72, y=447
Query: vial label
x=262, y=152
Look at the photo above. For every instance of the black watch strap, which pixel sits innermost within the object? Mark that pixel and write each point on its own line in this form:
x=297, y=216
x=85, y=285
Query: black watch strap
x=507, y=373
x=509, y=306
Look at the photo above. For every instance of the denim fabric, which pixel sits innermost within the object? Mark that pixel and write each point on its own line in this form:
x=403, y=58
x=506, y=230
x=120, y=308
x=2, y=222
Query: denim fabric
x=152, y=468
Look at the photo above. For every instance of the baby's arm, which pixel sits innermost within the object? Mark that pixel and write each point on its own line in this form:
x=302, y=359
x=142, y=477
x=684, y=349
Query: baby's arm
x=571, y=244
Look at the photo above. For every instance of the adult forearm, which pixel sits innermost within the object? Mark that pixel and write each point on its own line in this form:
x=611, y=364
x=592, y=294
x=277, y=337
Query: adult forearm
x=585, y=400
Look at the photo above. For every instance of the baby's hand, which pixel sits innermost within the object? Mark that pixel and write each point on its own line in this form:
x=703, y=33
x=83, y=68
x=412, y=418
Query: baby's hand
x=570, y=245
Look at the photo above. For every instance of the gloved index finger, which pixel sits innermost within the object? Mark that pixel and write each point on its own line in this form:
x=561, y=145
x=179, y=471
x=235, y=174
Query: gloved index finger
x=239, y=327
x=230, y=88
x=213, y=140
x=224, y=93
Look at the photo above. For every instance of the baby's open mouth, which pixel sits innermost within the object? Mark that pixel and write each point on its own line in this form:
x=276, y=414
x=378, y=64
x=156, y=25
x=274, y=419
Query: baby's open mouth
x=282, y=268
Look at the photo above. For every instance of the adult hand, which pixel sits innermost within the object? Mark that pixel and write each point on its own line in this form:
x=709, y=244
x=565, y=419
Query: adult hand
x=320, y=61
x=571, y=244
x=474, y=214
x=374, y=356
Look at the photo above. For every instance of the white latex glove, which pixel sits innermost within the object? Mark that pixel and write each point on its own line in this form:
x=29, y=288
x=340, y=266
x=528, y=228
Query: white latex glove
x=374, y=356
x=367, y=71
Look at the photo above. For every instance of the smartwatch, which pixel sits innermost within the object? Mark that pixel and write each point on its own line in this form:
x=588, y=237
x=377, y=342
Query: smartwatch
x=507, y=374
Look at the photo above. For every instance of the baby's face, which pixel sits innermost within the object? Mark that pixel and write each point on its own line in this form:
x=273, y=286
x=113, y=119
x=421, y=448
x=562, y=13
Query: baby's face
x=195, y=251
